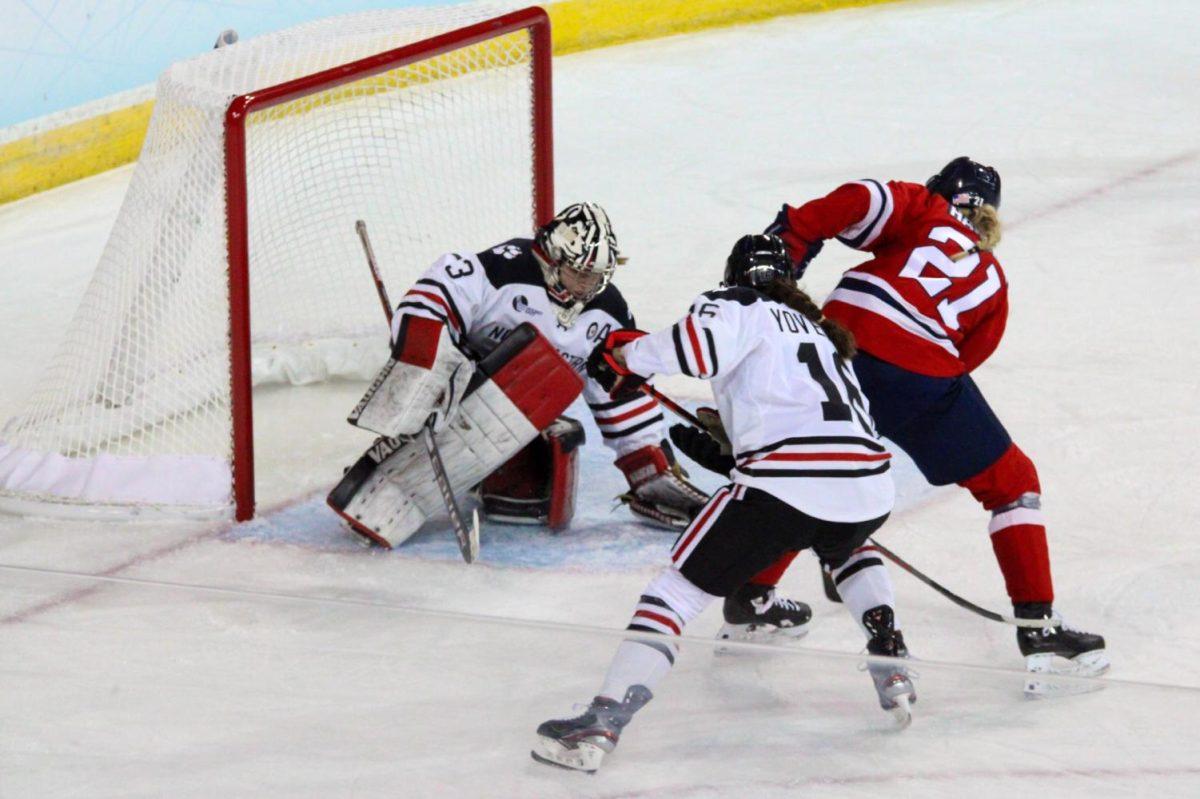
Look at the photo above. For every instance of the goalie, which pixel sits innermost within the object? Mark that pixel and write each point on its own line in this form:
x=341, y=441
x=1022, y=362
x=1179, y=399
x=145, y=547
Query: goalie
x=488, y=350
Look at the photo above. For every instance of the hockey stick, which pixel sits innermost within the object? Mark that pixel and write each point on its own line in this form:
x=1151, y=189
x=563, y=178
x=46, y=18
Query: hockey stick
x=673, y=406
x=691, y=419
x=1053, y=621
x=468, y=540
x=380, y=289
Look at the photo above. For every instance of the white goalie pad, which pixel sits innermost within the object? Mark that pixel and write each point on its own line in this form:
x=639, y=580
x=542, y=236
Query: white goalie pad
x=426, y=375
x=389, y=498
x=518, y=390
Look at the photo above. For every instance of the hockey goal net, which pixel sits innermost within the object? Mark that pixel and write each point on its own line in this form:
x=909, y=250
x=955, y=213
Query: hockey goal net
x=234, y=259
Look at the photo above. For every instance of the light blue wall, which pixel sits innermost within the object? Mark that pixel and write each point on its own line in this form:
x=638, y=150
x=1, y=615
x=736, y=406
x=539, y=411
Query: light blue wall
x=55, y=54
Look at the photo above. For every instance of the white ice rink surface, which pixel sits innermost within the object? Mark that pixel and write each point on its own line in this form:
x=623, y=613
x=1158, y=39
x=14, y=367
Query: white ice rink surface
x=279, y=659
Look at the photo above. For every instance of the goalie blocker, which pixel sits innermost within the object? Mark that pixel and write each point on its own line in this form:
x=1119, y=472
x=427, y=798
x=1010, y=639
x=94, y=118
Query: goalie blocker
x=517, y=391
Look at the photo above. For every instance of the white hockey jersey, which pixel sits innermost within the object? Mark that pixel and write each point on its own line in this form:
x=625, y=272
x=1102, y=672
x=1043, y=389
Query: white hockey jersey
x=483, y=297
x=799, y=424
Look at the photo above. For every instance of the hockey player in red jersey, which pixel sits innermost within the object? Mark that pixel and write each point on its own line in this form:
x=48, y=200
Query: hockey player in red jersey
x=926, y=310
x=806, y=470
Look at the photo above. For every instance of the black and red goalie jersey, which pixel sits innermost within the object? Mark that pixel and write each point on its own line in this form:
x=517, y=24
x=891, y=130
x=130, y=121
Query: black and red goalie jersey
x=928, y=301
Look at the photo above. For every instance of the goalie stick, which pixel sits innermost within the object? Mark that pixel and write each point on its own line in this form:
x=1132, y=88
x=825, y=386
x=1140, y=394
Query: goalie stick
x=831, y=591
x=380, y=289
x=468, y=540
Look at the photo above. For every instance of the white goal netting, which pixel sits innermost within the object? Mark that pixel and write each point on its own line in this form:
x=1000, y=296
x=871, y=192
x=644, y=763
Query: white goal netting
x=134, y=411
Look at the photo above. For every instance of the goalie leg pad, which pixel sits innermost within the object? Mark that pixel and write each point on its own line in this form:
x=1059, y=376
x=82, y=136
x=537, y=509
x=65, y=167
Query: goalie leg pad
x=377, y=508
x=496, y=420
x=537, y=485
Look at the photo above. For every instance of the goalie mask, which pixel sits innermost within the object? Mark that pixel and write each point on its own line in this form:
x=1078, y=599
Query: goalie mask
x=577, y=251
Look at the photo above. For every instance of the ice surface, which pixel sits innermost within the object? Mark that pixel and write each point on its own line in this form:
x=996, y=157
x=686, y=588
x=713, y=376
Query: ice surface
x=1089, y=110
x=162, y=690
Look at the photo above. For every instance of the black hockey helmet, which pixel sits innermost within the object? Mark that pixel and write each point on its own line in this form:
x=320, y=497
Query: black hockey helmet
x=966, y=183
x=757, y=260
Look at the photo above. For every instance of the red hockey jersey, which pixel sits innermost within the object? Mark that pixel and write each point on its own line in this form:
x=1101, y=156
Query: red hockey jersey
x=913, y=304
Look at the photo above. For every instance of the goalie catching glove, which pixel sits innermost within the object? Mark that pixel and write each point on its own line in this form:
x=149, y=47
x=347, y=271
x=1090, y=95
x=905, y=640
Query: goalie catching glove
x=659, y=490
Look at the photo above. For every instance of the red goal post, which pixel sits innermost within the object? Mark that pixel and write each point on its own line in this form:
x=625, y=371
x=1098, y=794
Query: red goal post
x=533, y=19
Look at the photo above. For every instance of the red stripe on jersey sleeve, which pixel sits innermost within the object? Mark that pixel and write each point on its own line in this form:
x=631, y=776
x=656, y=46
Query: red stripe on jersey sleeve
x=428, y=295
x=695, y=340
x=649, y=405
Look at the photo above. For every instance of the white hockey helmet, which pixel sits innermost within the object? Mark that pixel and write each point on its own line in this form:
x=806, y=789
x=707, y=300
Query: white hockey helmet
x=579, y=238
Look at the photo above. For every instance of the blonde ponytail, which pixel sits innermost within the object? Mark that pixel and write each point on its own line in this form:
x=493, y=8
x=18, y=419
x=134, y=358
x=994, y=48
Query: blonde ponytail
x=986, y=221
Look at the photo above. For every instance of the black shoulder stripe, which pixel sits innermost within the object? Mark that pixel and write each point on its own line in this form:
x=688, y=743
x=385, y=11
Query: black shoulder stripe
x=433, y=311
x=679, y=353
x=712, y=352
x=449, y=300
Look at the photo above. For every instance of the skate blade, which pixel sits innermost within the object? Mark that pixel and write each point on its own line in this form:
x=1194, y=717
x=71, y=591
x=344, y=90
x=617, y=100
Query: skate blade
x=758, y=634
x=1089, y=664
x=582, y=757
x=902, y=712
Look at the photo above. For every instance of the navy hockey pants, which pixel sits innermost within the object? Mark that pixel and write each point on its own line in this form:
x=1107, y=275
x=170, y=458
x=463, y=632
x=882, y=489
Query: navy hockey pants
x=943, y=423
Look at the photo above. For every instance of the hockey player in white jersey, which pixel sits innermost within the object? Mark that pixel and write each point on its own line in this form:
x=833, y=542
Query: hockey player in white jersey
x=806, y=470
x=493, y=397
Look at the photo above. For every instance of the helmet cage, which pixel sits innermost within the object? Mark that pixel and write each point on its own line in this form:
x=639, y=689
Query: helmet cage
x=581, y=238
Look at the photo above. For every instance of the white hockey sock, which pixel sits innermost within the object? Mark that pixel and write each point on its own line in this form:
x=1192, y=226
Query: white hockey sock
x=863, y=582
x=669, y=602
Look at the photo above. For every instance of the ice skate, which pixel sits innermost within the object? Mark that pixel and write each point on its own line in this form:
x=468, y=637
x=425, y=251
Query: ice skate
x=756, y=613
x=1057, y=648
x=582, y=742
x=892, y=680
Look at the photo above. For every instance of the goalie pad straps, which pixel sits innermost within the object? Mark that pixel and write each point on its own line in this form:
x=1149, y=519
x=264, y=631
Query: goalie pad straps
x=426, y=374
x=520, y=387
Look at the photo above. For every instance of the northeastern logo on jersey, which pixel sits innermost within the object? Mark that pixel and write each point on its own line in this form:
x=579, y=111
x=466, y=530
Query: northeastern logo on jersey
x=521, y=305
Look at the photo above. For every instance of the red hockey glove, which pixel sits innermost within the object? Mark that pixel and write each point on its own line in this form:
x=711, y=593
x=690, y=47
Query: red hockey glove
x=659, y=491
x=604, y=368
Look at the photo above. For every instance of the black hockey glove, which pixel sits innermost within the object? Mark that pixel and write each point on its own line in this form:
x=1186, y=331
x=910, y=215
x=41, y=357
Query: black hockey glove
x=801, y=251
x=702, y=448
x=612, y=376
